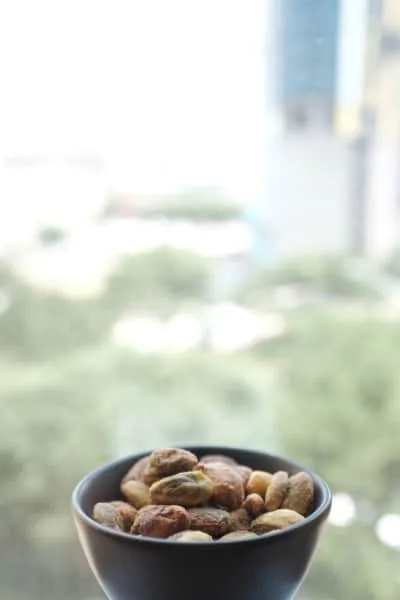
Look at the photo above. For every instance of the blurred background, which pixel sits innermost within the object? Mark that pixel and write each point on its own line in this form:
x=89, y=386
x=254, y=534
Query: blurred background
x=199, y=242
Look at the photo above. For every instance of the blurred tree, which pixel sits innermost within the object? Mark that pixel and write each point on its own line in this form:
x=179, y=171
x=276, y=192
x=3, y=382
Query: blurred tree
x=327, y=276
x=163, y=278
x=341, y=415
x=392, y=265
x=200, y=204
x=352, y=563
x=62, y=418
x=69, y=401
x=52, y=430
x=51, y=235
x=37, y=325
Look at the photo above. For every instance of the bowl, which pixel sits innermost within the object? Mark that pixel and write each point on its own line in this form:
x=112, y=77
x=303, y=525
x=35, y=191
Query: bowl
x=270, y=567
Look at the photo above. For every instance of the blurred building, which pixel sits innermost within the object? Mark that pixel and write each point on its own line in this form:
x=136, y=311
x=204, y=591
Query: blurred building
x=307, y=44
x=382, y=199
x=368, y=116
x=305, y=206
x=332, y=176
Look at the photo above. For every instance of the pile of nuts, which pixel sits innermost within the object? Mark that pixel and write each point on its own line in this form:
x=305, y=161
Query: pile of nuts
x=171, y=494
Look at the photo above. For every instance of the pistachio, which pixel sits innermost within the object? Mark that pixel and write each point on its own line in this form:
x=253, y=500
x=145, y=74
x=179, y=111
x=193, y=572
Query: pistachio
x=168, y=461
x=277, y=490
x=238, y=535
x=228, y=489
x=191, y=536
x=254, y=505
x=116, y=515
x=214, y=521
x=136, y=493
x=300, y=494
x=173, y=495
x=278, y=519
x=160, y=521
x=187, y=489
x=258, y=483
x=245, y=473
x=136, y=472
x=240, y=520
x=218, y=458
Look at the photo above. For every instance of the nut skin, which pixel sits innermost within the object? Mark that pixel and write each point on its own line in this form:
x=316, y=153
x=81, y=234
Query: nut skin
x=258, y=483
x=115, y=515
x=277, y=490
x=192, y=488
x=170, y=494
x=191, y=536
x=238, y=535
x=254, y=505
x=136, y=493
x=137, y=470
x=278, y=519
x=228, y=489
x=300, y=494
x=218, y=458
x=160, y=521
x=214, y=521
x=168, y=461
x=240, y=520
x=245, y=473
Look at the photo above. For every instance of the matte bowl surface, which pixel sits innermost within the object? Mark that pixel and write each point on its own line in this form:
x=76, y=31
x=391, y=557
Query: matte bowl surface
x=270, y=567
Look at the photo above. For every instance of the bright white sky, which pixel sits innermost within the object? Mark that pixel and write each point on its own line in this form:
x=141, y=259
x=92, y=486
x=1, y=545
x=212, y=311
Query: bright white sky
x=171, y=93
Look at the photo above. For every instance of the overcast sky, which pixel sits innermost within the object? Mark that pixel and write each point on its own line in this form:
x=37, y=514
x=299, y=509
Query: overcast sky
x=169, y=92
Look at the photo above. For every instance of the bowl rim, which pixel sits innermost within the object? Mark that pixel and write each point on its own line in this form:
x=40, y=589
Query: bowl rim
x=317, y=514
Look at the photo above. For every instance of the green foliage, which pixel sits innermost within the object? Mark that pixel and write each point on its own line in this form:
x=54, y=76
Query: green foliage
x=345, y=376
x=326, y=393
x=320, y=276
x=51, y=235
x=392, y=266
x=195, y=205
x=38, y=325
x=340, y=414
x=62, y=418
x=52, y=431
x=352, y=563
x=161, y=280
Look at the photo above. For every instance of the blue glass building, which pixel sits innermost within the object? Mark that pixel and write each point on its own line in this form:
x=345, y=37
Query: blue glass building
x=307, y=55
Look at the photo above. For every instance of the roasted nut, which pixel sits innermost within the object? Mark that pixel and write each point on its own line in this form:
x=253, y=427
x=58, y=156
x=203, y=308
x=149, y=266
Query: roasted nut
x=136, y=472
x=116, y=515
x=136, y=493
x=160, y=521
x=277, y=490
x=254, y=505
x=214, y=521
x=245, y=473
x=228, y=489
x=173, y=495
x=300, y=494
x=168, y=461
x=218, y=458
x=238, y=535
x=191, y=536
x=240, y=520
x=278, y=519
x=258, y=483
x=193, y=488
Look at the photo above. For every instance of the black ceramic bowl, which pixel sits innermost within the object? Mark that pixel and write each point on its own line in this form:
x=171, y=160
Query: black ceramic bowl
x=270, y=567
